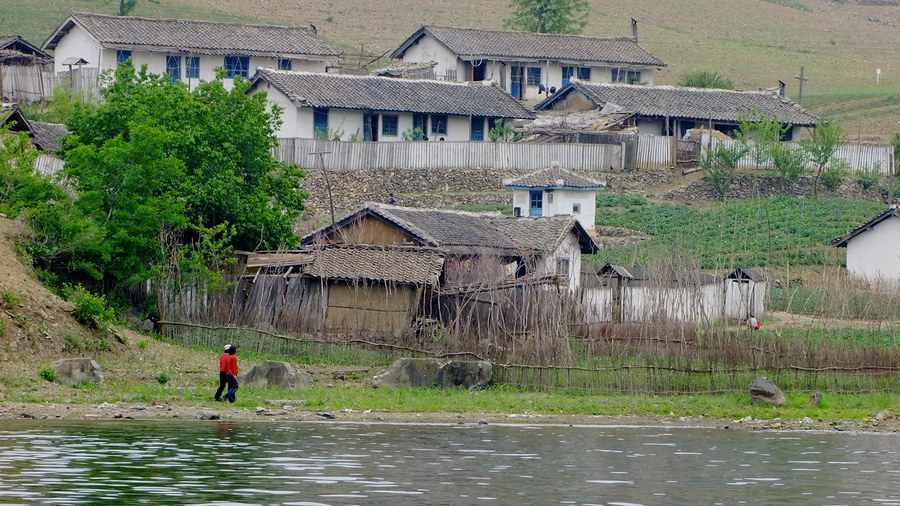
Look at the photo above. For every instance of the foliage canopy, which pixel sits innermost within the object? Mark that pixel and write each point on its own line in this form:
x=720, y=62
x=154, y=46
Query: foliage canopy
x=548, y=16
x=706, y=79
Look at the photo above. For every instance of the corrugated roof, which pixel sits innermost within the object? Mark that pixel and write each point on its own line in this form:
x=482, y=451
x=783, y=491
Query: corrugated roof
x=398, y=264
x=554, y=177
x=309, y=89
x=683, y=102
x=202, y=37
x=891, y=212
x=478, y=42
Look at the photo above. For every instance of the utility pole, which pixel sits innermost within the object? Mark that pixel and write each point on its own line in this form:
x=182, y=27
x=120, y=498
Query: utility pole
x=802, y=79
x=320, y=156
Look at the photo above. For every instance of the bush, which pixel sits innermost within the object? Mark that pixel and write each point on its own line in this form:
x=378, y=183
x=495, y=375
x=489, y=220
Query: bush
x=72, y=343
x=706, y=79
x=48, y=374
x=162, y=378
x=868, y=179
x=11, y=299
x=91, y=310
x=142, y=344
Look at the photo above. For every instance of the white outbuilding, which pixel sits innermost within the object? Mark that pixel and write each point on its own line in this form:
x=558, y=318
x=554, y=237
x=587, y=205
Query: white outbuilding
x=555, y=191
x=873, y=248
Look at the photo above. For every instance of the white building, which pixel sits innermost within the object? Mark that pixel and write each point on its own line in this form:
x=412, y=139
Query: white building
x=189, y=51
x=528, y=64
x=873, y=249
x=554, y=192
x=371, y=108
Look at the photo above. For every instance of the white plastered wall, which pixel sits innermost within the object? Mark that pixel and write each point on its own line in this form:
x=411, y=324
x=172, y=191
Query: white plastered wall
x=569, y=250
x=78, y=43
x=430, y=49
x=874, y=255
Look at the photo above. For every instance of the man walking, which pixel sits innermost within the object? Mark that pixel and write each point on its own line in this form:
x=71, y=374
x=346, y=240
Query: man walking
x=231, y=372
x=223, y=362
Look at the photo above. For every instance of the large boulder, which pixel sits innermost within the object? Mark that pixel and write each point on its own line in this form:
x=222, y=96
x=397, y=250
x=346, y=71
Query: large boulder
x=276, y=374
x=75, y=371
x=468, y=374
x=409, y=372
x=763, y=391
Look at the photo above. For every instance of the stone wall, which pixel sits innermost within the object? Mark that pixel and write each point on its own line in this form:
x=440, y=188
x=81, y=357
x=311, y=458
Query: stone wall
x=754, y=186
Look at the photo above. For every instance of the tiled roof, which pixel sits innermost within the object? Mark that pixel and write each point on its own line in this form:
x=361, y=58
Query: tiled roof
x=399, y=264
x=477, y=43
x=554, y=177
x=683, y=102
x=308, y=89
x=15, y=43
x=891, y=212
x=46, y=136
x=202, y=37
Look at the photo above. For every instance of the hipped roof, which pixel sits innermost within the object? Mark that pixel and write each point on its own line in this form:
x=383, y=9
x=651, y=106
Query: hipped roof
x=473, y=43
x=310, y=89
x=200, y=37
x=891, y=212
x=555, y=178
x=685, y=102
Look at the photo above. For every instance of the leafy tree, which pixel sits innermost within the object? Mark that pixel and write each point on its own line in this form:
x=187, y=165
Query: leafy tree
x=503, y=131
x=789, y=161
x=826, y=138
x=721, y=164
x=126, y=6
x=706, y=79
x=548, y=16
x=157, y=164
x=762, y=133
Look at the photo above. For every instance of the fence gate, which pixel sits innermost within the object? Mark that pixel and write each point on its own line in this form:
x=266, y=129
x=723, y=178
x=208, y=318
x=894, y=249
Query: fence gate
x=688, y=153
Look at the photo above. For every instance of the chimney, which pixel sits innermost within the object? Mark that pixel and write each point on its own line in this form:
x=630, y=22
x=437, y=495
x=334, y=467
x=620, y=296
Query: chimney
x=634, y=31
x=781, y=89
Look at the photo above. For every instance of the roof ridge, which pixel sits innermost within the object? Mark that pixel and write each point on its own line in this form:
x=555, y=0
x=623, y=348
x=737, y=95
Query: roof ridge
x=523, y=32
x=307, y=28
x=368, y=76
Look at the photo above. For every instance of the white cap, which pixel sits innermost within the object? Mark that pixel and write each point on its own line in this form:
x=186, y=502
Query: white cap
x=227, y=347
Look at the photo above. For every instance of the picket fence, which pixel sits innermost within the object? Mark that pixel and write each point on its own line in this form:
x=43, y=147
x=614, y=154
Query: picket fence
x=449, y=155
x=34, y=83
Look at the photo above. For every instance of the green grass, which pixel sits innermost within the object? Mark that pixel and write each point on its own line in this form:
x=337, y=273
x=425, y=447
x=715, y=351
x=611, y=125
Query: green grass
x=755, y=232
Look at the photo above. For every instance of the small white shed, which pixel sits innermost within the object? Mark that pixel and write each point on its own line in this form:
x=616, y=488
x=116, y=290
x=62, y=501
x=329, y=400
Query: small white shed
x=873, y=249
x=745, y=293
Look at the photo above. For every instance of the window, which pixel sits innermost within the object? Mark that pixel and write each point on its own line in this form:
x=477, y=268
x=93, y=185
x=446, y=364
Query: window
x=534, y=76
x=284, y=64
x=320, y=123
x=549, y=197
x=389, y=125
x=562, y=266
x=192, y=67
x=477, y=128
x=420, y=127
x=122, y=55
x=237, y=66
x=535, y=203
x=567, y=73
x=626, y=76
x=584, y=73
x=576, y=208
x=173, y=67
x=439, y=124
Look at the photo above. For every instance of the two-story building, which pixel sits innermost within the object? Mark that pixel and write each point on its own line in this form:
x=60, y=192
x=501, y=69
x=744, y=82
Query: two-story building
x=370, y=108
x=188, y=51
x=528, y=65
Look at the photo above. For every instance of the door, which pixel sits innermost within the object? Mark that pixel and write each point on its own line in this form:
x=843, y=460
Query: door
x=370, y=127
x=477, y=128
x=517, y=81
x=479, y=70
x=536, y=200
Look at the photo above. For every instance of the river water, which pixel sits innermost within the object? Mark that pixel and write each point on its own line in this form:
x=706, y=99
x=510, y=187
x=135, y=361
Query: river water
x=164, y=462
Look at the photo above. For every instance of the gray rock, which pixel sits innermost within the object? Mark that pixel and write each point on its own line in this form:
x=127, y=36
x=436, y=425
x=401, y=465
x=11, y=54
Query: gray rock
x=468, y=374
x=75, y=371
x=148, y=325
x=409, y=372
x=276, y=374
x=203, y=415
x=764, y=391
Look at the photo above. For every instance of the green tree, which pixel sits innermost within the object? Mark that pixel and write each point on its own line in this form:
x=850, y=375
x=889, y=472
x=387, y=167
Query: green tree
x=503, y=131
x=789, y=161
x=826, y=138
x=761, y=132
x=126, y=6
x=721, y=164
x=157, y=164
x=706, y=79
x=548, y=16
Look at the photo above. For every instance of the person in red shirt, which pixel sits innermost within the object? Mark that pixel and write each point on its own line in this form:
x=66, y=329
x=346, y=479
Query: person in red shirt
x=223, y=362
x=231, y=372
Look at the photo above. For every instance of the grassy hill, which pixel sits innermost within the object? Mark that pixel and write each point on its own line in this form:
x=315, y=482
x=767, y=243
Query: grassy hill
x=755, y=42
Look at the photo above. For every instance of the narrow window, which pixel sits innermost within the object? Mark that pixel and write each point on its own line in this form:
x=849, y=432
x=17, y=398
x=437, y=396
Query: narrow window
x=567, y=73
x=439, y=124
x=192, y=67
x=237, y=66
x=173, y=67
x=477, y=128
x=389, y=125
x=284, y=64
x=320, y=123
x=576, y=208
x=536, y=203
x=122, y=55
x=420, y=127
x=584, y=73
x=534, y=76
x=549, y=197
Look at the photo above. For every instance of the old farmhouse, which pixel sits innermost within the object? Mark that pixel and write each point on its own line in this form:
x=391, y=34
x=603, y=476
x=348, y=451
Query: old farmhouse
x=345, y=107
x=527, y=65
x=555, y=191
x=24, y=70
x=873, y=249
x=673, y=110
x=188, y=51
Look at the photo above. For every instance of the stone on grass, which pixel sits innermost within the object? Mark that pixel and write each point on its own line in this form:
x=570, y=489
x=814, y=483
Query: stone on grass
x=75, y=371
x=203, y=415
x=468, y=374
x=409, y=372
x=276, y=374
x=763, y=391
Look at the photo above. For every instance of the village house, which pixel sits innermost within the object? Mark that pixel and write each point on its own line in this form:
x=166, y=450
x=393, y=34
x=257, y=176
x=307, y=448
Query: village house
x=873, y=249
x=528, y=65
x=370, y=108
x=673, y=110
x=555, y=191
x=188, y=51
x=43, y=136
x=24, y=70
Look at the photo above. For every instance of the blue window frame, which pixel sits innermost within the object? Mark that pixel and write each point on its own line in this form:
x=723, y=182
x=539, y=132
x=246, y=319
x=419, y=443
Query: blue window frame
x=517, y=81
x=439, y=124
x=173, y=67
x=320, y=123
x=567, y=73
x=284, y=64
x=389, y=125
x=534, y=76
x=477, y=128
x=192, y=67
x=536, y=203
x=584, y=73
x=237, y=66
x=620, y=75
x=122, y=55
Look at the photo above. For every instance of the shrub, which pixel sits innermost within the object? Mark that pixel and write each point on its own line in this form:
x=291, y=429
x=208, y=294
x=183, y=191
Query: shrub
x=11, y=299
x=48, y=374
x=2, y=327
x=142, y=344
x=91, y=310
x=162, y=378
x=706, y=79
x=868, y=179
x=72, y=343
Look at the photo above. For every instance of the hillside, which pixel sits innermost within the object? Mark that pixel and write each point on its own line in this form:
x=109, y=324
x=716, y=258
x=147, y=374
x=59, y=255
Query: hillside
x=755, y=42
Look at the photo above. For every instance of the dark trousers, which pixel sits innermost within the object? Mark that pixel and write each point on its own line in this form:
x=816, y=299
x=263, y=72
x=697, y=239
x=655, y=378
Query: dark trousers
x=222, y=383
x=232, y=387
